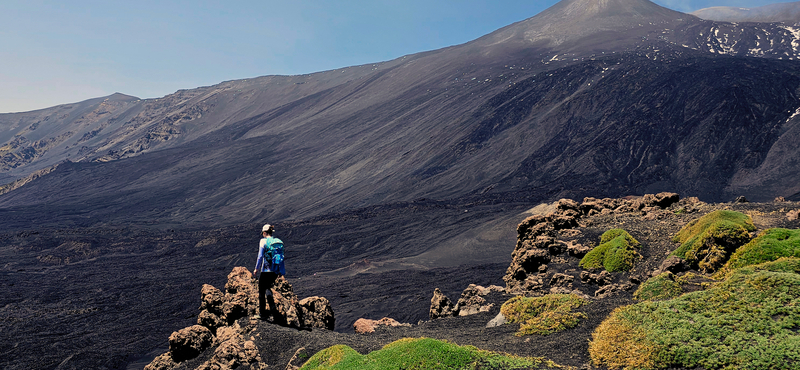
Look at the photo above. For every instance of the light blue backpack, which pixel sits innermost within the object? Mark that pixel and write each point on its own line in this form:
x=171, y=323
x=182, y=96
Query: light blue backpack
x=273, y=254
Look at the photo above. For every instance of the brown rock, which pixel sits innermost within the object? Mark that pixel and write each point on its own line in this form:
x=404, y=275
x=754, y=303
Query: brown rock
x=241, y=297
x=602, y=278
x=793, y=215
x=210, y=320
x=187, y=343
x=232, y=350
x=779, y=200
x=665, y=199
x=471, y=301
x=564, y=221
x=440, y=305
x=211, y=299
x=283, y=287
x=607, y=290
x=568, y=204
x=365, y=326
x=236, y=306
x=162, y=362
x=287, y=310
x=577, y=249
x=524, y=228
x=562, y=280
x=316, y=312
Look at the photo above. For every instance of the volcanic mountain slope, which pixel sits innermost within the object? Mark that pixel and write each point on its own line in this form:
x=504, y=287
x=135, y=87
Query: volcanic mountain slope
x=781, y=12
x=646, y=108
x=412, y=171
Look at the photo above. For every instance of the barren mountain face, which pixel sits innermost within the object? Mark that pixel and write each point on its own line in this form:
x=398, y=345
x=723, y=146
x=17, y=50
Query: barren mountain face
x=423, y=163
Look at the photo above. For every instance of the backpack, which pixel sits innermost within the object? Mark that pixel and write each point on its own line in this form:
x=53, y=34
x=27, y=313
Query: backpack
x=273, y=255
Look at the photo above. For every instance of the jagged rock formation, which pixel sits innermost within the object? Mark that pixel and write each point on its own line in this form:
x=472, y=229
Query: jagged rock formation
x=366, y=326
x=218, y=324
x=538, y=243
x=471, y=302
x=441, y=306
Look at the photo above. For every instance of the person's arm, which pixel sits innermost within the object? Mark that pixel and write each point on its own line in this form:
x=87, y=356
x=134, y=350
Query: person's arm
x=260, y=260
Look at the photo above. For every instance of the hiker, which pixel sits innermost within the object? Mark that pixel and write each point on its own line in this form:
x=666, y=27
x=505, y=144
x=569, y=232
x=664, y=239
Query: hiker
x=270, y=265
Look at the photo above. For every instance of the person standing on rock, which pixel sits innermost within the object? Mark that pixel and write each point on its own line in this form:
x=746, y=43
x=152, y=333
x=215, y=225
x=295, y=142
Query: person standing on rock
x=270, y=265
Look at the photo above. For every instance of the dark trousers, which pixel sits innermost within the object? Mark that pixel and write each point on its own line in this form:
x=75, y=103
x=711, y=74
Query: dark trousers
x=266, y=281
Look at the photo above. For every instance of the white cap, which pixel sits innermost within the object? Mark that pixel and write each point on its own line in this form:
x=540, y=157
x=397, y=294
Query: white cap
x=268, y=228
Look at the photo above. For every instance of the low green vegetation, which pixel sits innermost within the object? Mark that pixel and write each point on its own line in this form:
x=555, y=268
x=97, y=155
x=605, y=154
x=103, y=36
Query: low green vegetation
x=768, y=246
x=748, y=321
x=706, y=243
x=661, y=287
x=616, y=252
x=544, y=315
x=421, y=353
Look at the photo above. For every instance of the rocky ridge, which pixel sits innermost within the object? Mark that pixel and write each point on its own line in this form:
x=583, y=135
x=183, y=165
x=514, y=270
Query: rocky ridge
x=225, y=319
x=545, y=261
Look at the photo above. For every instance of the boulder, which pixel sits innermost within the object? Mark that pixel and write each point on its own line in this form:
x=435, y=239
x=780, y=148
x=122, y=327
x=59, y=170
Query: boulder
x=211, y=299
x=498, y=320
x=162, y=362
x=602, y=278
x=236, y=306
x=576, y=249
x=241, y=297
x=562, y=281
x=283, y=287
x=210, y=320
x=366, y=326
x=568, y=205
x=187, y=343
x=232, y=351
x=440, y=305
x=793, y=215
x=472, y=301
x=661, y=200
x=741, y=199
x=287, y=310
x=316, y=312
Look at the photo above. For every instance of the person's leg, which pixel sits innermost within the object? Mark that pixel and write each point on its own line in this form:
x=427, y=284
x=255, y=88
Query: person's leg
x=276, y=316
x=264, y=285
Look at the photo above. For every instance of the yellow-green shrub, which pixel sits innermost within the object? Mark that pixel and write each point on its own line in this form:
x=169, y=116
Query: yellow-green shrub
x=706, y=243
x=748, y=321
x=659, y=287
x=544, y=315
x=616, y=252
x=768, y=246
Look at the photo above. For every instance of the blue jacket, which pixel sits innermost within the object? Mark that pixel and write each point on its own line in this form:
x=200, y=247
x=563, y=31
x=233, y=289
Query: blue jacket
x=276, y=264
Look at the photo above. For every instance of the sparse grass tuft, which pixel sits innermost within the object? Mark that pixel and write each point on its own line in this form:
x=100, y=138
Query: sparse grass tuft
x=768, y=246
x=749, y=321
x=707, y=242
x=422, y=353
x=544, y=315
x=661, y=287
x=616, y=252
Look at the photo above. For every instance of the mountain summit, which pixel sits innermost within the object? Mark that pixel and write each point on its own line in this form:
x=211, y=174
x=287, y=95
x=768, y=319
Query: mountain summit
x=572, y=19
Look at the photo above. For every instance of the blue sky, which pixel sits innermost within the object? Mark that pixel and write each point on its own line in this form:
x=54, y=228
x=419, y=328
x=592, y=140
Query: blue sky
x=57, y=52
